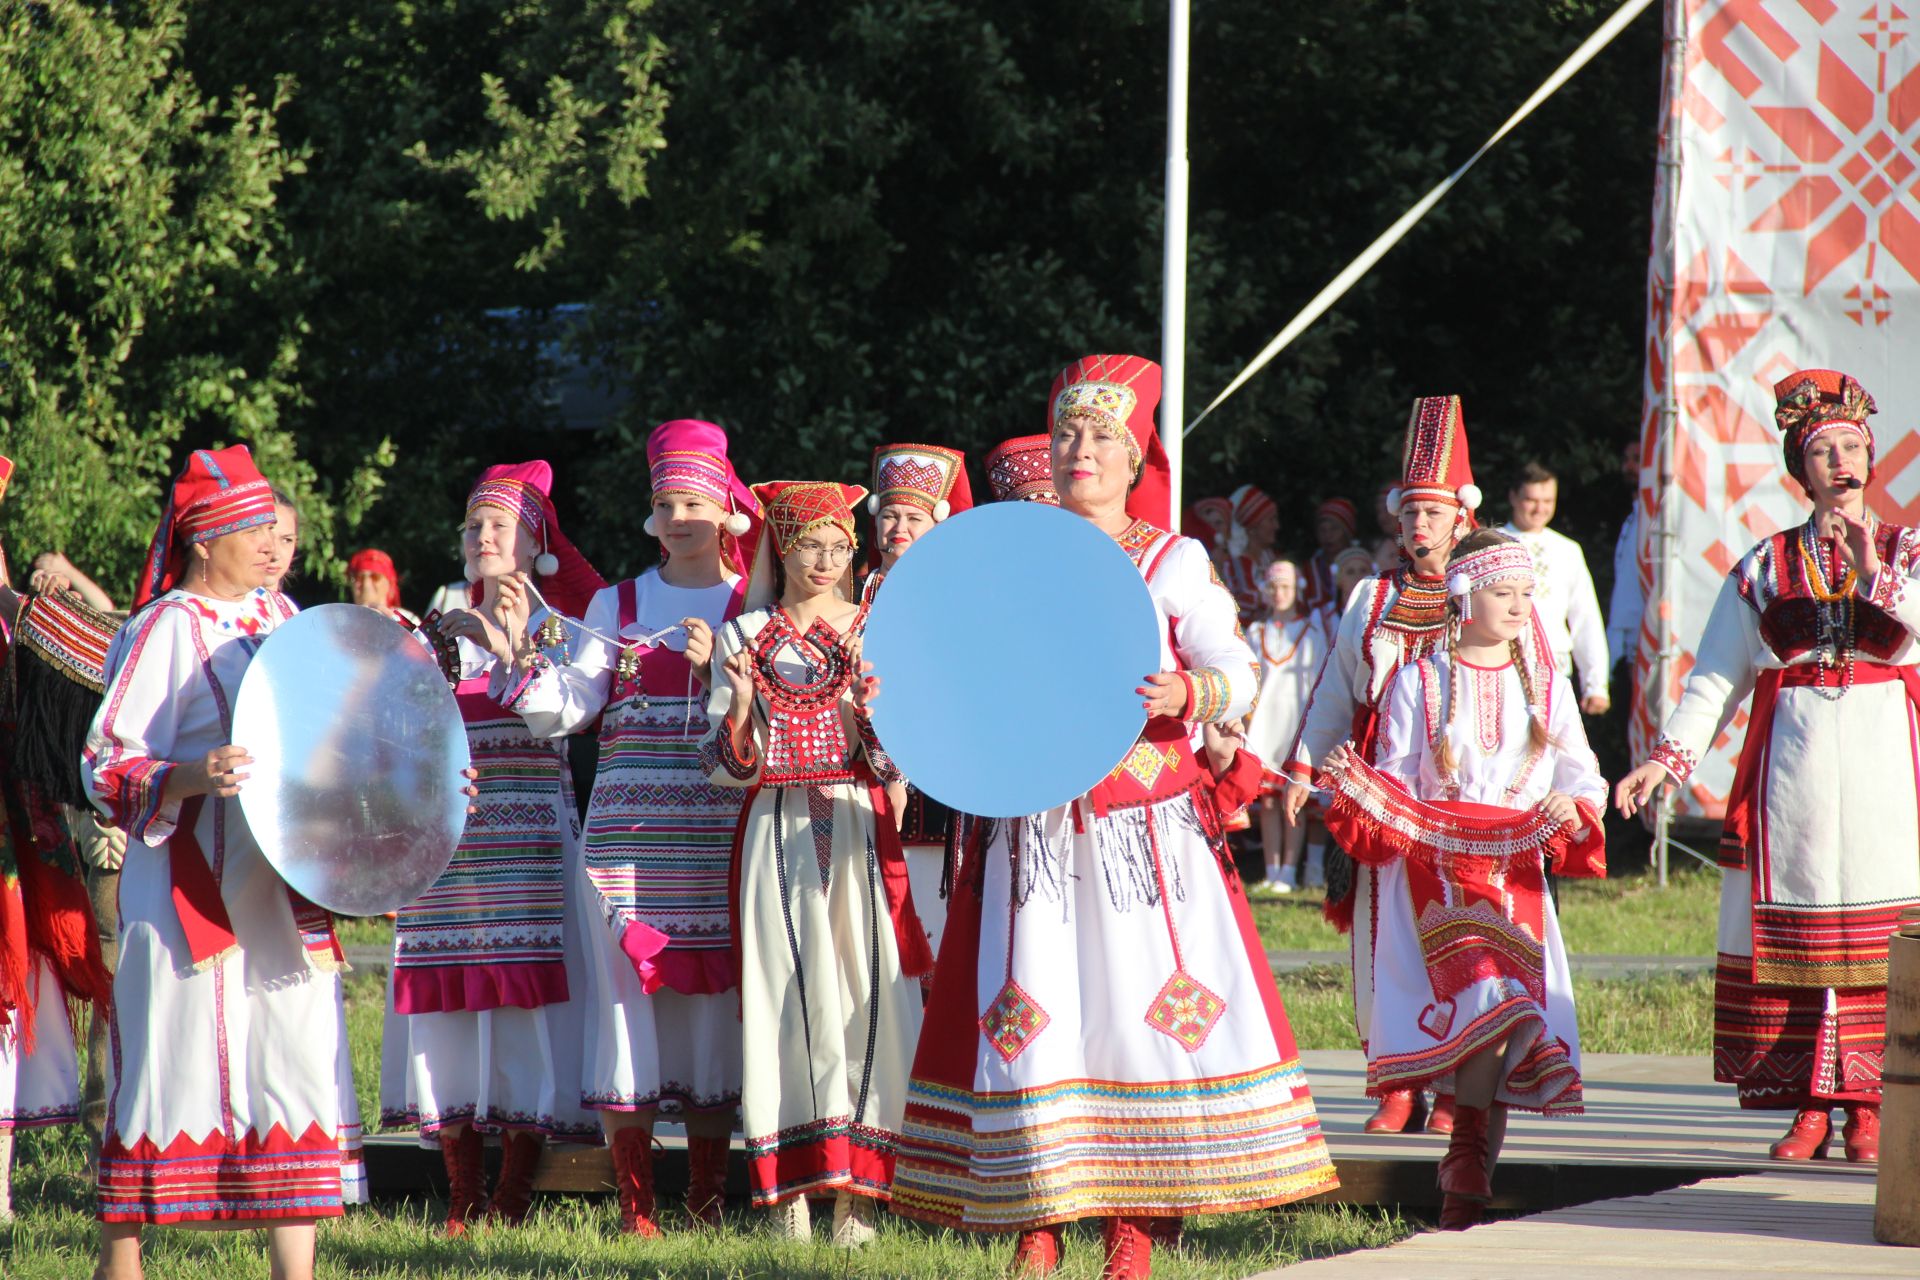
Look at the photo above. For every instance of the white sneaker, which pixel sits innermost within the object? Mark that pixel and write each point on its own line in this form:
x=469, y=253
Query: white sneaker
x=1286, y=880
x=853, y=1219
x=791, y=1219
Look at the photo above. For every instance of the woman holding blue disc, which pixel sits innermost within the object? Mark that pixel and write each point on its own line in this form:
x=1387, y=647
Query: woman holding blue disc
x=1100, y=985
x=830, y=950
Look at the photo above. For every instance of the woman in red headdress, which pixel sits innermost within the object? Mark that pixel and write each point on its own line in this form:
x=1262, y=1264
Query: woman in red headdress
x=830, y=948
x=1099, y=974
x=375, y=584
x=484, y=1023
x=662, y=1024
x=1820, y=853
x=223, y=1100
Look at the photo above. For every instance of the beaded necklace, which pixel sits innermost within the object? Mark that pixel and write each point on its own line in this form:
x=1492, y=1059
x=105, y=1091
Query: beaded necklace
x=1836, y=613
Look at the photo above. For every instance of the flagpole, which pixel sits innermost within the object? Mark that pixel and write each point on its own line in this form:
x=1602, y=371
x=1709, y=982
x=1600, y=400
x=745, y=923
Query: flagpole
x=1173, y=291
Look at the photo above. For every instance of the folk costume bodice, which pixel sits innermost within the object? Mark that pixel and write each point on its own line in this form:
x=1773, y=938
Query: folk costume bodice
x=808, y=731
x=1791, y=602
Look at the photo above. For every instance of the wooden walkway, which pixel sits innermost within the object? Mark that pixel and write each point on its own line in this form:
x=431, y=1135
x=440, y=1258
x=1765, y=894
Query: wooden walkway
x=1781, y=1222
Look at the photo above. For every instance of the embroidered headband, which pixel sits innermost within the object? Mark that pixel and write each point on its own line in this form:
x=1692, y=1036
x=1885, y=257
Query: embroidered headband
x=1503, y=562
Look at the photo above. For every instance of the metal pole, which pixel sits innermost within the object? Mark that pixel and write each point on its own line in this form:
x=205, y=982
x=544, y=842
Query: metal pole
x=1173, y=293
x=1665, y=549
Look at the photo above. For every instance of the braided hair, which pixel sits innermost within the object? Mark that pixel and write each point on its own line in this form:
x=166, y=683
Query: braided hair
x=1538, y=739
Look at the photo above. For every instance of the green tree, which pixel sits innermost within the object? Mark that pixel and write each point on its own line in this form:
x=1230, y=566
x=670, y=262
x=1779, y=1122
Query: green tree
x=136, y=219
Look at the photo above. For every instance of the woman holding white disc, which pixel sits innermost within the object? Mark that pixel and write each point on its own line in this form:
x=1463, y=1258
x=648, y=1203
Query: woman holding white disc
x=662, y=1022
x=1098, y=975
x=483, y=1026
x=223, y=1098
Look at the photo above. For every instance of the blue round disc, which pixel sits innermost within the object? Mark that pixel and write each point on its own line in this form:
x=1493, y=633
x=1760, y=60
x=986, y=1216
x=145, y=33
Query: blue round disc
x=1009, y=641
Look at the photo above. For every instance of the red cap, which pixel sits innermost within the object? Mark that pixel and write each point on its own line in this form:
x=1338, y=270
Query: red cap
x=372, y=561
x=1125, y=390
x=218, y=491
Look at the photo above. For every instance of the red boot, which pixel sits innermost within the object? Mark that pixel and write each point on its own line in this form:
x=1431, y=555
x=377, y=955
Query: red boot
x=1862, y=1134
x=1129, y=1249
x=513, y=1190
x=707, y=1179
x=1807, y=1138
x=1464, y=1182
x=1401, y=1111
x=1441, y=1121
x=466, y=1184
x=1038, y=1253
x=633, y=1181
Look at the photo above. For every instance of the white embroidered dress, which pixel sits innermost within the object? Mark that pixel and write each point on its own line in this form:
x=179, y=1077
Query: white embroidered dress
x=501, y=1065
x=1290, y=653
x=224, y=1091
x=1103, y=1035
x=1412, y=1038
x=656, y=854
x=42, y=1087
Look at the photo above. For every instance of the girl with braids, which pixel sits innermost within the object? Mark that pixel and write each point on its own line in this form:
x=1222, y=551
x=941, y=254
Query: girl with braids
x=1482, y=778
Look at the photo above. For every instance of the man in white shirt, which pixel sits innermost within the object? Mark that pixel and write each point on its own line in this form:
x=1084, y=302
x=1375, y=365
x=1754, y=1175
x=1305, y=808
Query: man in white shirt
x=1563, y=597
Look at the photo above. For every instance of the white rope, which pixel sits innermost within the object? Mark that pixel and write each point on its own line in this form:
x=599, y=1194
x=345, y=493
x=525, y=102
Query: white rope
x=1393, y=234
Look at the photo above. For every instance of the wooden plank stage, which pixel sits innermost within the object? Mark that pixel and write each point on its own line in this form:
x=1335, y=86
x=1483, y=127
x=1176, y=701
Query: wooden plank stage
x=1779, y=1222
x=1652, y=1123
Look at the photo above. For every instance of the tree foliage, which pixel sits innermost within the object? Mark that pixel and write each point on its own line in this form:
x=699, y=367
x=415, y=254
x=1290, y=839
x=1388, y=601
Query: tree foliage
x=135, y=214
x=885, y=219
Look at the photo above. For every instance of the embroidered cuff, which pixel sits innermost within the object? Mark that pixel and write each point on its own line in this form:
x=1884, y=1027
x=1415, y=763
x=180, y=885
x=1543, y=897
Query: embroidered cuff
x=1885, y=591
x=518, y=684
x=1207, y=694
x=877, y=758
x=739, y=766
x=135, y=801
x=1675, y=759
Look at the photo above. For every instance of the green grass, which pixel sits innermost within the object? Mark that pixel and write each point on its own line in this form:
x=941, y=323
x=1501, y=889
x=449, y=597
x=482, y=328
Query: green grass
x=1628, y=916
x=1660, y=1013
x=576, y=1237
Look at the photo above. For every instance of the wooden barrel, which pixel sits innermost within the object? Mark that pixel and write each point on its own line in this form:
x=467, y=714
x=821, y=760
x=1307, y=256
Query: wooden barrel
x=1896, y=1214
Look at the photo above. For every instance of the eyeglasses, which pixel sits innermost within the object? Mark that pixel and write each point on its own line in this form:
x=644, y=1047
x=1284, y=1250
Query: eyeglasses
x=814, y=553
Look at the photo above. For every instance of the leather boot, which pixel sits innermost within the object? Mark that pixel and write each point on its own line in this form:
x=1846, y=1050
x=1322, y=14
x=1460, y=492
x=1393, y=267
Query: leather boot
x=1806, y=1138
x=707, y=1179
x=792, y=1220
x=633, y=1181
x=1441, y=1119
x=1401, y=1111
x=1129, y=1249
x=1465, y=1186
x=1862, y=1134
x=853, y=1219
x=466, y=1181
x=1038, y=1253
x=513, y=1190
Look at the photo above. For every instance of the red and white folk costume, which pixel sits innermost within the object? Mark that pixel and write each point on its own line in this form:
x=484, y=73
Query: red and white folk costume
x=484, y=1019
x=1467, y=949
x=1290, y=652
x=1820, y=854
x=662, y=1029
x=1104, y=1038
x=1244, y=568
x=1318, y=584
x=223, y=1094
x=830, y=948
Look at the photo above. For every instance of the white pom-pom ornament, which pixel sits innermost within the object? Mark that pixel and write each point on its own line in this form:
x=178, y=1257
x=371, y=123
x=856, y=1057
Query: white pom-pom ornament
x=1469, y=496
x=546, y=564
x=737, y=524
x=873, y=504
x=1393, y=501
x=1459, y=585
x=941, y=510
x=651, y=526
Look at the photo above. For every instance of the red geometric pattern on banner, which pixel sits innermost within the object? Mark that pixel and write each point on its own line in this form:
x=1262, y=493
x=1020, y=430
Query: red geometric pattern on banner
x=1786, y=235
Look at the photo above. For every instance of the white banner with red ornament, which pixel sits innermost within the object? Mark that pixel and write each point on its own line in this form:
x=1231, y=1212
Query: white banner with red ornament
x=1786, y=236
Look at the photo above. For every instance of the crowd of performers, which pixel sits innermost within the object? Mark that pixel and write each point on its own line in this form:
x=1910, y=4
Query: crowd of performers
x=729, y=933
